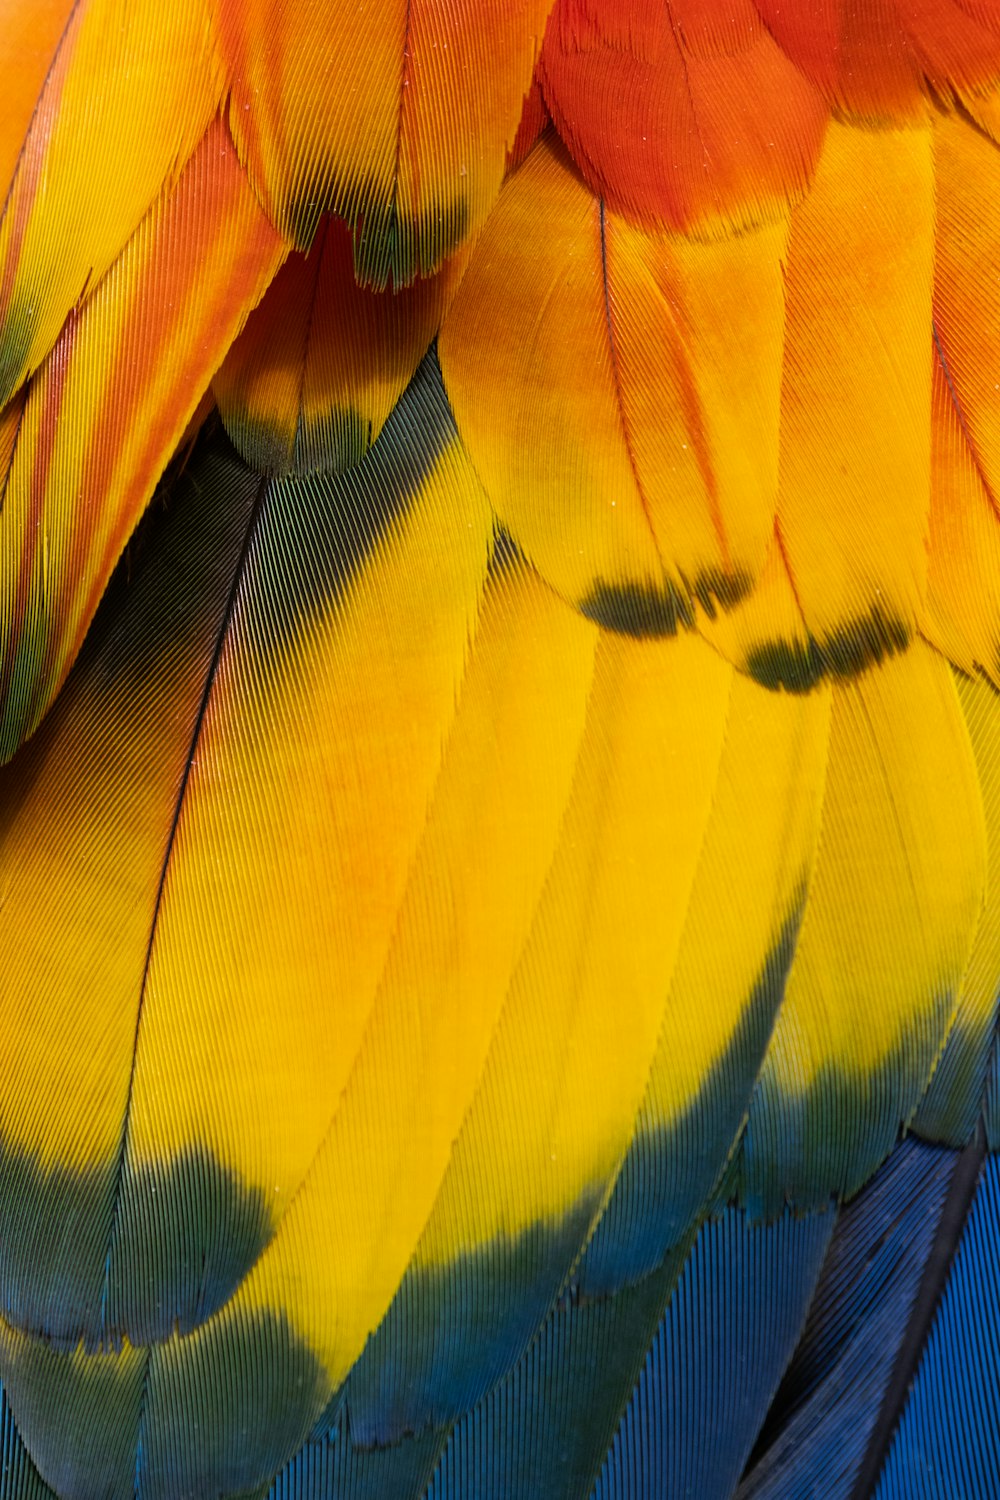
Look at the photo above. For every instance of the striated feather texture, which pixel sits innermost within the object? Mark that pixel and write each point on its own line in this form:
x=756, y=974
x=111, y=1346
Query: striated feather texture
x=500, y=739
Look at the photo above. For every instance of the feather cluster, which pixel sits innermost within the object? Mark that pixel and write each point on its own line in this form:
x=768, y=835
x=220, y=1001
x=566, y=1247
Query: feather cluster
x=500, y=712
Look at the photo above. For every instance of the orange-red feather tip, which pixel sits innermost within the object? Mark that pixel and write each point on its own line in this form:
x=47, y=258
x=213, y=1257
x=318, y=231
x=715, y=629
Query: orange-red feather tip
x=686, y=114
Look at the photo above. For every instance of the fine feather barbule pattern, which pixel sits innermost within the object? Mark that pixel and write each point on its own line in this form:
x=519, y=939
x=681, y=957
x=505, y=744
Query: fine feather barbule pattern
x=789, y=720
x=499, y=927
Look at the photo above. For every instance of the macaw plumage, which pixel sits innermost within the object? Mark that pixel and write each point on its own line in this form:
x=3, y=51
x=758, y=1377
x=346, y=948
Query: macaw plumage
x=500, y=723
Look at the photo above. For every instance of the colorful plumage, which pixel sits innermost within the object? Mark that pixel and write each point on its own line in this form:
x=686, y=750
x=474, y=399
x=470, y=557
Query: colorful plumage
x=500, y=722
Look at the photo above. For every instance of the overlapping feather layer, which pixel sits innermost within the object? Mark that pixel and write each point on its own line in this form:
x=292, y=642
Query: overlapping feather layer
x=506, y=845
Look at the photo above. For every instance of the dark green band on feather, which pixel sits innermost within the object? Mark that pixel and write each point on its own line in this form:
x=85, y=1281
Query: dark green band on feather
x=670, y=1171
x=217, y=1414
x=391, y=249
x=186, y=1234
x=453, y=1331
x=638, y=610
x=646, y=612
x=545, y=1429
x=226, y=1409
x=958, y=1091
x=805, y=1148
x=713, y=588
x=55, y=1226
x=21, y=1480
x=847, y=652
x=335, y=441
x=316, y=532
x=18, y=327
x=79, y=1418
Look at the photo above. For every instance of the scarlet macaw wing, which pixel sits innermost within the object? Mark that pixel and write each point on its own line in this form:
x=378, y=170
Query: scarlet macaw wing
x=101, y=213
x=133, y=1211
x=493, y=892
